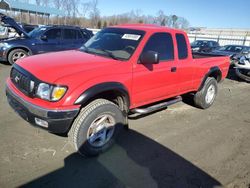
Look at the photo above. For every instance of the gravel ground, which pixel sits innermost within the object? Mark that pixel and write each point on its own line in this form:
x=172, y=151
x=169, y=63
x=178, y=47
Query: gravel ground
x=181, y=146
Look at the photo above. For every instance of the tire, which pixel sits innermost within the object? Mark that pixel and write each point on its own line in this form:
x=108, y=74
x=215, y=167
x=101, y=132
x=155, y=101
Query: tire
x=205, y=97
x=16, y=54
x=90, y=128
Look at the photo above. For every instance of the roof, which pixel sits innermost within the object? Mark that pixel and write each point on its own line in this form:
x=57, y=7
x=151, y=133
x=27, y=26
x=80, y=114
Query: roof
x=147, y=27
x=27, y=7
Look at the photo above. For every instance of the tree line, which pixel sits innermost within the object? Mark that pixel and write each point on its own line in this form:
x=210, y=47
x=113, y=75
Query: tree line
x=87, y=14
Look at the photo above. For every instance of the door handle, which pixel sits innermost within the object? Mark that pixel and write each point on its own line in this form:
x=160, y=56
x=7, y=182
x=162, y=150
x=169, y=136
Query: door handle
x=173, y=69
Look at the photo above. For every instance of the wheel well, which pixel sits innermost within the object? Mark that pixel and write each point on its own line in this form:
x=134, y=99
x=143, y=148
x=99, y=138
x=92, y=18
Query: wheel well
x=23, y=48
x=116, y=97
x=216, y=74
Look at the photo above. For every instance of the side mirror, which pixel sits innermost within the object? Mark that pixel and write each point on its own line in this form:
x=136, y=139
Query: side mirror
x=149, y=57
x=44, y=37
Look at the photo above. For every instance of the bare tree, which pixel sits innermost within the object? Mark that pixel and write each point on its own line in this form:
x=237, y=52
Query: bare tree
x=67, y=6
x=75, y=6
x=94, y=13
x=182, y=23
x=45, y=2
x=85, y=6
x=38, y=2
x=161, y=18
x=57, y=3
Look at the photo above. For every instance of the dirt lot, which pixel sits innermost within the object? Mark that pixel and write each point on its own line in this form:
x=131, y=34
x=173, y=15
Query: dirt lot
x=178, y=147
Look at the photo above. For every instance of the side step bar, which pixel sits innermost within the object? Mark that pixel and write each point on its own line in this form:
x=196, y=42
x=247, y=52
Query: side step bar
x=156, y=107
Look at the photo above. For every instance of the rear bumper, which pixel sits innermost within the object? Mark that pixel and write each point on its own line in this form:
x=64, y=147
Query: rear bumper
x=58, y=121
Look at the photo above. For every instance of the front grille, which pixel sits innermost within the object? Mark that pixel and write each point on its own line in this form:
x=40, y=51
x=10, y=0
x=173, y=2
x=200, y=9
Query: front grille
x=21, y=81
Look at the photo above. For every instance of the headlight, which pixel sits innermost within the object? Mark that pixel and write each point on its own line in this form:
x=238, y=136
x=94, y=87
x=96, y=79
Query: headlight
x=3, y=44
x=49, y=92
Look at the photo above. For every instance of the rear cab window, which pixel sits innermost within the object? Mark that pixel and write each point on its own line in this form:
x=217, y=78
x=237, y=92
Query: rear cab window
x=181, y=46
x=162, y=43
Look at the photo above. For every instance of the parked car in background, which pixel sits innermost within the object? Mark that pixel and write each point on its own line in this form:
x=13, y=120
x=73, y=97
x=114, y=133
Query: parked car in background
x=242, y=67
x=204, y=45
x=42, y=39
x=233, y=51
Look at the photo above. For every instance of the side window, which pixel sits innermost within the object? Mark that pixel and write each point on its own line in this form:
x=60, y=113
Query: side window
x=162, y=43
x=182, y=46
x=70, y=34
x=53, y=34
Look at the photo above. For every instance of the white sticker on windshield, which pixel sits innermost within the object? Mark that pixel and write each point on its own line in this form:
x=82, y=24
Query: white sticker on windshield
x=42, y=29
x=131, y=36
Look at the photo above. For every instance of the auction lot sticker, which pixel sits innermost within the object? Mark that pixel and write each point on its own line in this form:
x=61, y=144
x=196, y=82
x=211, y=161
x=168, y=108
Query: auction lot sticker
x=131, y=37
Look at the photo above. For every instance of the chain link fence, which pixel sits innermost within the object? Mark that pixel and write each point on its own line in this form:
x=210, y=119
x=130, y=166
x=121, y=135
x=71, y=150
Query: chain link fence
x=222, y=36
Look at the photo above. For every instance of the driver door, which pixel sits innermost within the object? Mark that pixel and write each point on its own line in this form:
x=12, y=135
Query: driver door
x=51, y=42
x=154, y=82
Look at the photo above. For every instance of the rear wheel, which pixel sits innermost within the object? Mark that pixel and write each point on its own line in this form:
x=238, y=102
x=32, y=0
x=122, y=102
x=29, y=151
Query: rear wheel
x=96, y=127
x=16, y=54
x=206, y=96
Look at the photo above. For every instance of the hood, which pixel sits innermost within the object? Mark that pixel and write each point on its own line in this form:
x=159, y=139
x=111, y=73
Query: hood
x=10, y=22
x=51, y=67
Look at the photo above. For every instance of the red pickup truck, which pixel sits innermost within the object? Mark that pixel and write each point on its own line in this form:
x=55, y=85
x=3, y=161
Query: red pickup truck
x=128, y=69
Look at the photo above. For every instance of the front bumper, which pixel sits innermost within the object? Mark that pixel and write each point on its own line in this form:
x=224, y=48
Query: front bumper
x=59, y=121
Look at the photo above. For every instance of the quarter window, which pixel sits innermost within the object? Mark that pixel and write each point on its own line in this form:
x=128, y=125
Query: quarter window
x=182, y=46
x=162, y=43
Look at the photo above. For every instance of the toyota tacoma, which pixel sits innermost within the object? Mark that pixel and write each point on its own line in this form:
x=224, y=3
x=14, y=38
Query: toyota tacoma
x=123, y=70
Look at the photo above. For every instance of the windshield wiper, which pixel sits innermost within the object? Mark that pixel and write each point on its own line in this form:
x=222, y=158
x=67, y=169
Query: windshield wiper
x=110, y=54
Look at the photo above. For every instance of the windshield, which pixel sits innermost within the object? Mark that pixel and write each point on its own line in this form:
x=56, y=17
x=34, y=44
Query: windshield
x=37, y=32
x=116, y=43
x=231, y=48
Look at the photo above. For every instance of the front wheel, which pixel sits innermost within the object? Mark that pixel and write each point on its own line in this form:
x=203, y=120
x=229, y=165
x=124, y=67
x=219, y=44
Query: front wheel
x=96, y=127
x=206, y=96
x=16, y=54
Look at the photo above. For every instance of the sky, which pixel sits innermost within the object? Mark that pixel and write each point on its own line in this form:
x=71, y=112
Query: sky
x=199, y=13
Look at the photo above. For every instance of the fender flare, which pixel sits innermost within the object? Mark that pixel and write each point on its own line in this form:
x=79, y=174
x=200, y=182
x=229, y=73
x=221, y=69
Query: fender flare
x=103, y=87
x=213, y=70
x=19, y=47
